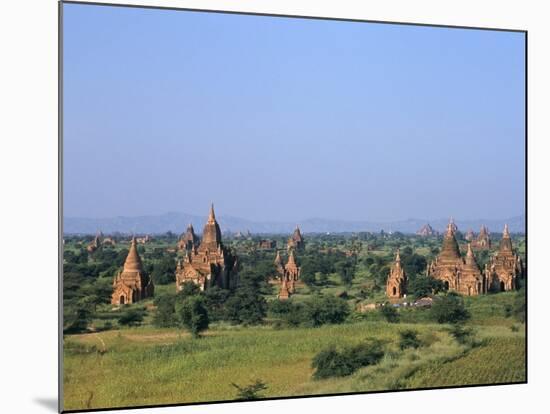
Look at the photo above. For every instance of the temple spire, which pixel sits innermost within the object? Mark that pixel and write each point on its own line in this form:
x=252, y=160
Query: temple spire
x=397, y=257
x=506, y=232
x=211, y=215
x=291, y=259
x=133, y=261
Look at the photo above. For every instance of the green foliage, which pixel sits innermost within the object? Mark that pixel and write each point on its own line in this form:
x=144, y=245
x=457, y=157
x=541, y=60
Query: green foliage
x=461, y=334
x=251, y=391
x=422, y=286
x=389, y=313
x=519, y=310
x=315, y=311
x=164, y=271
x=132, y=317
x=246, y=306
x=165, y=316
x=192, y=315
x=76, y=319
x=322, y=310
x=188, y=289
x=449, y=309
x=409, y=339
x=333, y=363
x=214, y=300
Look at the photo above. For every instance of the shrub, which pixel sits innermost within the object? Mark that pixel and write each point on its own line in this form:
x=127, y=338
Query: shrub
x=422, y=286
x=246, y=306
x=461, y=334
x=389, y=313
x=251, y=391
x=165, y=316
x=409, y=339
x=324, y=309
x=331, y=363
x=449, y=309
x=131, y=317
x=519, y=308
x=192, y=315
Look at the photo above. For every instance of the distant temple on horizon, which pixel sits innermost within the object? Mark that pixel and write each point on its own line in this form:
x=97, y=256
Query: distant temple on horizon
x=426, y=230
x=188, y=240
x=483, y=241
x=209, y=264
x=132, y=284
x=296, y=241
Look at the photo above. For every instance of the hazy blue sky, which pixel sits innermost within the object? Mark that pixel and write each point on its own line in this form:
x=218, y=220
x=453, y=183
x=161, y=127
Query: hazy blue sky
x=287, y=119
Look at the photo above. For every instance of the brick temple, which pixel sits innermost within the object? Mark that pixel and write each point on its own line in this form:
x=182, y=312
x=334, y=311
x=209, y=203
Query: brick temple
x=209, y=264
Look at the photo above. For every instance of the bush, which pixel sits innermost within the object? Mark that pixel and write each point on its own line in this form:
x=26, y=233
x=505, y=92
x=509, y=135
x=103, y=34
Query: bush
x=449, y=309
x=422, y=286
x=331, y=363
x=165, y=316
x=246, y=306
x=324, y=309
x=251, y=391
x=389, y=313
x=461, y=334
x=409, y=339
x=192, y=315
x=132, y=317
x=164, y=271
x=519, y=308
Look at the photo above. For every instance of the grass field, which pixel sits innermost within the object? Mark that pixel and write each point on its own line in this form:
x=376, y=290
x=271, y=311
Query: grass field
x=144, y=365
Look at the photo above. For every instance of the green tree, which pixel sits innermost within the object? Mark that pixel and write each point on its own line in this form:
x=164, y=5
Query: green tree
x=192, y=315
x=389, y=313
x=321, y=310
x=424, y=286
x=164, y=271
x=132, y=317
x=165, y=314
x=246, y=306
x=449, y=309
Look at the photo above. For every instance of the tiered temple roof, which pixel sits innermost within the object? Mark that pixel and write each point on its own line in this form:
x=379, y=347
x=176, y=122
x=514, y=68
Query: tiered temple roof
x=188, y=239
x=397, y=280
x=132, y=284
x=296, y=241
x=426, y=231
x=211, y=264
x=458, y=274
x=506, y=266
x=483, y=240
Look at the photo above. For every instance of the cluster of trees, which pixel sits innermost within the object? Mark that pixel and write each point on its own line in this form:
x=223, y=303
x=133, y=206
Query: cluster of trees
x=87, y=283
x=316, y=268
x=315, y=311
x=193, y=309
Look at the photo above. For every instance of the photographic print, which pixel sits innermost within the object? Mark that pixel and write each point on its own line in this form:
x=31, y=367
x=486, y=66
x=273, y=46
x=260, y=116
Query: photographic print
x=260, y=206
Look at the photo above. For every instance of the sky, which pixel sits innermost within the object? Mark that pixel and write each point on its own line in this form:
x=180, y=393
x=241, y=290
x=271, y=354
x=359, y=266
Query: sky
x=286, y=119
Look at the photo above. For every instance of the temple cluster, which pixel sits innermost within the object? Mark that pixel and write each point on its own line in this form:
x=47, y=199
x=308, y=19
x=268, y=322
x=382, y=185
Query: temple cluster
x=463, y=274
x=208, y=263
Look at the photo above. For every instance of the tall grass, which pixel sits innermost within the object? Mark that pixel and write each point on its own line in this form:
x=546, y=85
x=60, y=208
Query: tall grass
x=140, y=366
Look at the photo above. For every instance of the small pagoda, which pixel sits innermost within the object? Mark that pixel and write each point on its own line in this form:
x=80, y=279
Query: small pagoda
x=132, y=284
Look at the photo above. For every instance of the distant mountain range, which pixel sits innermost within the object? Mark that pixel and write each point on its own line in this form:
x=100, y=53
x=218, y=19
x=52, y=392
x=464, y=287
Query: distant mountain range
x=177, y=223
